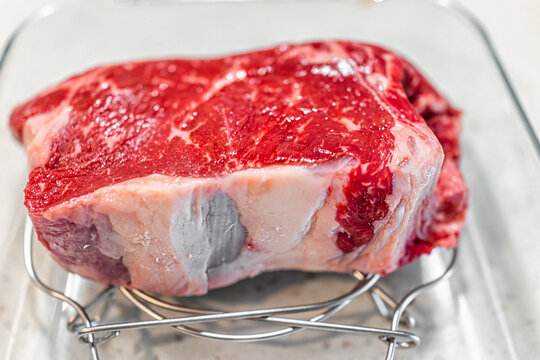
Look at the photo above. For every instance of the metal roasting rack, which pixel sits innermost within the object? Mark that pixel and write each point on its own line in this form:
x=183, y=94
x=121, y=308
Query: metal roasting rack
x=95, y=331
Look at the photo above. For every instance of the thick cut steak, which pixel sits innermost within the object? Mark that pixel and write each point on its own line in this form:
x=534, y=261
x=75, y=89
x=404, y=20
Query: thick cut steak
x=179, y=176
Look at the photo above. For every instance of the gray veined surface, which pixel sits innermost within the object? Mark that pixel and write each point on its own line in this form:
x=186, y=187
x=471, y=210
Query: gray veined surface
x=225, y=233
x=206, y=230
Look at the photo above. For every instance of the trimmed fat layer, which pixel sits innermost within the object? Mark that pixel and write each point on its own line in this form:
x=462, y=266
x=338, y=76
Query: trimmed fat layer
x=167, y=234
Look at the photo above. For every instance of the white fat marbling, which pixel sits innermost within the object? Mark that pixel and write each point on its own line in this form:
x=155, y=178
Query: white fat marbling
x=39, y=131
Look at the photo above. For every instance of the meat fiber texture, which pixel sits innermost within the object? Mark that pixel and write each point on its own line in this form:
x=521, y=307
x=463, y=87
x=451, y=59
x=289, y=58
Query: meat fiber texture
x=179, y=176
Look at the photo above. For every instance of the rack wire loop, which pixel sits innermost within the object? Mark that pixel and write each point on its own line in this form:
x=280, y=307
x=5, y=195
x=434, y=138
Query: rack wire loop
x=393, y=343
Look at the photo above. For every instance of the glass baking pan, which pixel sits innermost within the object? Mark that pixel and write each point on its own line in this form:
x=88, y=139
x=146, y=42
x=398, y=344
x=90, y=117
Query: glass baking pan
x=488, y=310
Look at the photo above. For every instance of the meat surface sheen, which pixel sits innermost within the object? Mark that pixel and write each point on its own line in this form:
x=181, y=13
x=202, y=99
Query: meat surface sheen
x=178, y=176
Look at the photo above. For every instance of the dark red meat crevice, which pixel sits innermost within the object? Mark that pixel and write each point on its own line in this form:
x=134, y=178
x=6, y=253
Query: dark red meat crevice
x=450, y=199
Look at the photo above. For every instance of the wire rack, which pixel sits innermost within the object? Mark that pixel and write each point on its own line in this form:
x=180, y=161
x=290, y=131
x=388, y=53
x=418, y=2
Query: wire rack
x=95, y=330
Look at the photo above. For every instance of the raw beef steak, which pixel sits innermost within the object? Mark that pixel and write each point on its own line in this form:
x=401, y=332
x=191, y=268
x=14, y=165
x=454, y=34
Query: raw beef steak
x=179, y=176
